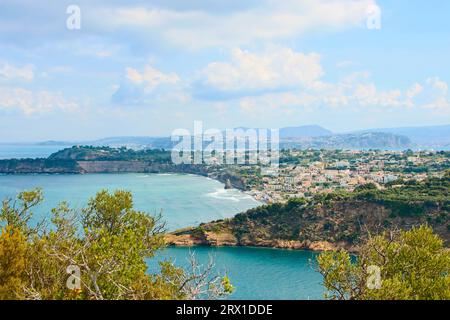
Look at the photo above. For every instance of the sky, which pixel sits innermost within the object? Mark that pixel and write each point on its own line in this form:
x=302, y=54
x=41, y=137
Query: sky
x=87, y=69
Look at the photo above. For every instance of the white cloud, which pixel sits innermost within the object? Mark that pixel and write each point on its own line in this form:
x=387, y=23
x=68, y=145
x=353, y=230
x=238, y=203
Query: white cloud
x=150, y=77
x=438, y=84
x=270, y=20
x=437, y=91
x=440, y=105
x=414, y=91
x=193, y=24
x=281, y=80
x=271, y=70
x=287, y=78
x=30, y=102
x=354, y=92
x=368, y=95
x=149, y=86
x=11, y=72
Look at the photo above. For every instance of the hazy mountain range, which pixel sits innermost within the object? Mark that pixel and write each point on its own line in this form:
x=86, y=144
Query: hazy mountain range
x=304, y=131
x=430, y=136
x=313, y=136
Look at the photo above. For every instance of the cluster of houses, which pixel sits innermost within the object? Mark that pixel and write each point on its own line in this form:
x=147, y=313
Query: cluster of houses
x=329, y=174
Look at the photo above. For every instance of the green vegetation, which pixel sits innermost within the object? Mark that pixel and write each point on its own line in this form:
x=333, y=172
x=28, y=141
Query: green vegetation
x=413, y=198
x=393, y=162
x=87, y=153
x=37, y=165
x=13, y=250
x=344, y=216
x=108, y=242
x=412, y=265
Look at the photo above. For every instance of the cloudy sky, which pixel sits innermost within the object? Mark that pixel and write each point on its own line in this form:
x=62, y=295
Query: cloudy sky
x=149, y=67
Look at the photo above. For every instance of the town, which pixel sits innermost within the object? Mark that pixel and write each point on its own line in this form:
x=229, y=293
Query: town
x=304, y=173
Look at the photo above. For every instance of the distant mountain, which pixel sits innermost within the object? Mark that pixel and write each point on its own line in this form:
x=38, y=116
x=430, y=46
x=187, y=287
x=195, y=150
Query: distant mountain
x=312, y=136
x=116, y=142
x=55, y=143
x=134, y=142
x=295, y=137
x=304, y=131
x=423, y=137
x=367, y=140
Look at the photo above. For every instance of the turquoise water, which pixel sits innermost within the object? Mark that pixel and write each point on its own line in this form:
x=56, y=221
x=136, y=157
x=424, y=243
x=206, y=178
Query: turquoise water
x=8, y=151
x=258, y=273
x=183, y=200
x=187, y=200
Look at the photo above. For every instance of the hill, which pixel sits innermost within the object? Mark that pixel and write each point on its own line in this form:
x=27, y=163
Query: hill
x=337, y=220
x=311, y=136
x=295, y=137
x=425, y=137
x=304, y=131
x=368, y=140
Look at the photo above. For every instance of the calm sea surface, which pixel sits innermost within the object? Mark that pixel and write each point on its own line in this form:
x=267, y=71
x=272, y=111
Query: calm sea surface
x=8, y=151
x=185, y=200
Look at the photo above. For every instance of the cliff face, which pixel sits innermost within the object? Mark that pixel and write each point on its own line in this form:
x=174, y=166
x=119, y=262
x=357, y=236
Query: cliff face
x=87, y=159
x=82, y=166
x=39, y=166
x=138, y=167
x=71, y=166
x=339, y=224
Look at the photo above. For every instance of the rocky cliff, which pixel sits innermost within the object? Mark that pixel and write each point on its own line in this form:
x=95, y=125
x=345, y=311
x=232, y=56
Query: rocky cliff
x=333, y=226
x=39, y=166
x=340, y=220
x=70, y=166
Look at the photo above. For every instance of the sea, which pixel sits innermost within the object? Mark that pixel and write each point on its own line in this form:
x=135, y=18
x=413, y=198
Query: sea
x=183, y=200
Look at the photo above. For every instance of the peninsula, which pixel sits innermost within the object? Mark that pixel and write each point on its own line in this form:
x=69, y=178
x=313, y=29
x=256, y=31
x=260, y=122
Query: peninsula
x=330, y=221
x=322, y=199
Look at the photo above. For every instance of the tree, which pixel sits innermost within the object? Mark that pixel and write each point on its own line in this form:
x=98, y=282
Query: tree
x=447, y=174
x=366, y=187
x=412, y=265
x=106, y=246
x=17, y=213
x=13, y=248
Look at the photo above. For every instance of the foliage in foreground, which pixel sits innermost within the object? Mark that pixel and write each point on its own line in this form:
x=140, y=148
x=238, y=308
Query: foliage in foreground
x=413, y=265
x=108, y=242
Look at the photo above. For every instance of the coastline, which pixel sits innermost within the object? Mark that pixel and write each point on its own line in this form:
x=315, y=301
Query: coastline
x=317, y=246
x=190, y=237
x=173, y=169
x=328, y=224
x=70, y=166
x=246, y=246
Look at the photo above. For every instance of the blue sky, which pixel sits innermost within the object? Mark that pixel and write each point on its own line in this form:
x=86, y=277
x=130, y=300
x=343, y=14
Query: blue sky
x=149, y=67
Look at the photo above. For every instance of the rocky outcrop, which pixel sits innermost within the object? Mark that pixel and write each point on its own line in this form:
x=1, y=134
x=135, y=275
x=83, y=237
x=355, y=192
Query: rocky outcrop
x=39, y=166
x=229, y=240
x=231, y=179
x=337, y=224
x=228, y=184
x=70, y=166
x=88, y=159
x=114, y=166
